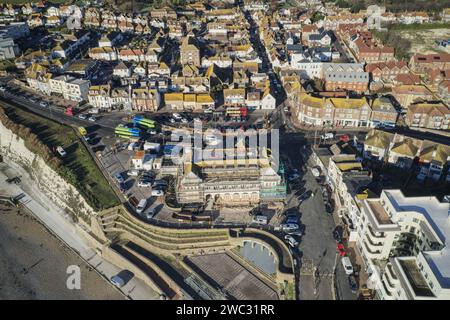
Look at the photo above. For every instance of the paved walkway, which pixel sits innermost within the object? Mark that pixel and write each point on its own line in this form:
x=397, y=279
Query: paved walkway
x=56, y=220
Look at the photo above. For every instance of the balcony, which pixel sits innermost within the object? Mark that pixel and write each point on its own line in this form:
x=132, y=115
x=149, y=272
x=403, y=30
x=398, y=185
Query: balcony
x=371, y=252
x=381, y=235
x=376, y=244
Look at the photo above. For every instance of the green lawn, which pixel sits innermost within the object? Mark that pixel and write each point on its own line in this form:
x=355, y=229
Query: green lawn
x=78, y=165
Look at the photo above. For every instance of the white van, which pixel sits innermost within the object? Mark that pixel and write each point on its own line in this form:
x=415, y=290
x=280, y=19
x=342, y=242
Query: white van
x=347, y=265
x=260, y=219
x=141, y=206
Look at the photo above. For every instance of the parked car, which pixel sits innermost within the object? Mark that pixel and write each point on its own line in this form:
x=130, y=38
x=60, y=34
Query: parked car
x=43, y=104
x=340, y=249
x=337, y=234
x=328, y=208
x=157, y=193
x=141, y=206
x=327, y=136
x=261, y=219
x=152, y=131
x=315, y=172
x=82, y=116
x=133, y=172
x=305, y=195
x=290, y=240
x=288, y=227
x=184, y=120
x=291, y=219
x=352, y=283
x=61, y=151
x=160, y=183
x=92, y=119
x=117, y=281
x=297, y=233
x=144, y=184
x=176, y=116
x=348, y=267
x=119, y=178
x=150, y=214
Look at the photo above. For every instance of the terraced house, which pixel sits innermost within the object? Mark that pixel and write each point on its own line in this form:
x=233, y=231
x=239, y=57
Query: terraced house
x=321, y=111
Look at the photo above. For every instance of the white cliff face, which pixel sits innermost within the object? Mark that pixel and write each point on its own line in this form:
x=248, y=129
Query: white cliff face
x=63, y=194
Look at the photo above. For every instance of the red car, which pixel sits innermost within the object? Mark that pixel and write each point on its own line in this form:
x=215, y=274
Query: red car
x=340, y=249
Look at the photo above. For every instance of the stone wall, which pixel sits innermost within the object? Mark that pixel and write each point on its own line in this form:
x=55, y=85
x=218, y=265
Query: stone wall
x=63, y=194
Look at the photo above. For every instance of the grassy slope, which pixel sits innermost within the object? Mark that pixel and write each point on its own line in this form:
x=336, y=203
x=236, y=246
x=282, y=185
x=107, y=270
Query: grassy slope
x=78, y=158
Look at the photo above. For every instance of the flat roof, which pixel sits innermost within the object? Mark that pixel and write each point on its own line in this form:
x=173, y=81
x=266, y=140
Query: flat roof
x=437, y=215
x=415, y=278
x=378, y=211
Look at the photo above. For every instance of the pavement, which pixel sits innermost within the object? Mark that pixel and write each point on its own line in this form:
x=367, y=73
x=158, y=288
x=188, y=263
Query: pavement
x=60, y=224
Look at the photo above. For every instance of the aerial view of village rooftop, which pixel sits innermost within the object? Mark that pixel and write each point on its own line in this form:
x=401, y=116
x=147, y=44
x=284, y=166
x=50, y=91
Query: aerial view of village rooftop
x=224, y=150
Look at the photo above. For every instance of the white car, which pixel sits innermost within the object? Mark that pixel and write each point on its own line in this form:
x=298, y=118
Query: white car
x=290, y=239
x=92, y=119
x=184, y=120
x=327, y=136
x=176, y=116
x=151, y=131
x=315, y=172
x=144, y=184
x=157, y=193
x=82, y=116
x=348, y=267
x=43, y=104
x=133, y=172
x=288, y=227
x=172, y=120
x=141, y=206
x=61, y=151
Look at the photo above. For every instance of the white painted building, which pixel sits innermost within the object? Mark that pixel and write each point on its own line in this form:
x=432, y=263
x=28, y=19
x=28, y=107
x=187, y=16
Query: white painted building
x=404, y=242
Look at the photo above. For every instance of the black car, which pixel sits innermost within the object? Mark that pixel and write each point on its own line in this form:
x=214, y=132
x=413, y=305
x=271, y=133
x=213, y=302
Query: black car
x=352, y=283
x=328, y=208
x=337, y=234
